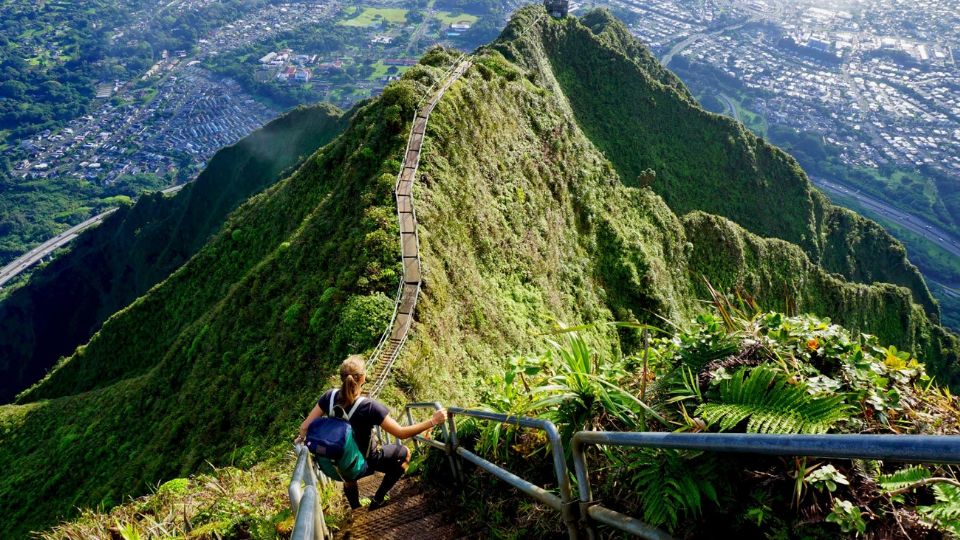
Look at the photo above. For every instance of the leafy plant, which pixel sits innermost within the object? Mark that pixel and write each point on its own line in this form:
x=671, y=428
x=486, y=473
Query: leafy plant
x=670, y=483
x=827, y=477
x=945, y=514
x=847, y=515
x=772, y=405
x=580, y=386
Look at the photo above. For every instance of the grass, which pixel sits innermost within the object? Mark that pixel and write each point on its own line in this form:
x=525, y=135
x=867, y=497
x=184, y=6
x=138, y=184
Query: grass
x=448, y=17
x=225, y=502
x=369, y=15
x=755, y=122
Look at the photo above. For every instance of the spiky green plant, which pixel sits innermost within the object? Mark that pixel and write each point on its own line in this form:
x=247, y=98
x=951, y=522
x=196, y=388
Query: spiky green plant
x=770, y=404
x=581, y=386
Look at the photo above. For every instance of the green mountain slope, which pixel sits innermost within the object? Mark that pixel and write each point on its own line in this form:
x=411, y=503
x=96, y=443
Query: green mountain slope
x=135, y=248
x=642, y=118
x=525, y=219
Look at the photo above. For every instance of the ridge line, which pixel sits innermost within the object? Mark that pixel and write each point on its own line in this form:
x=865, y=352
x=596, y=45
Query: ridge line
x=381, y=360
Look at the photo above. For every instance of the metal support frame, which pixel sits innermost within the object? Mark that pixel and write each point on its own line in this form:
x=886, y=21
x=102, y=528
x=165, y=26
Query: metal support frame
x=446, y=445
x=305, y=498
x=564, y=503
x=906, y=448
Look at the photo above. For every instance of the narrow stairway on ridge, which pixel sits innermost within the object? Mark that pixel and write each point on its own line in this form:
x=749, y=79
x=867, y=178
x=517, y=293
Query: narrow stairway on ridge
x=412, y=514
x=386, y=353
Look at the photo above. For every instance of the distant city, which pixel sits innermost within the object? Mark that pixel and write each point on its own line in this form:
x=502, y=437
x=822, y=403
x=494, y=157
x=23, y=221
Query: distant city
x=884, y=87
x=870, y=90
x=179, y=121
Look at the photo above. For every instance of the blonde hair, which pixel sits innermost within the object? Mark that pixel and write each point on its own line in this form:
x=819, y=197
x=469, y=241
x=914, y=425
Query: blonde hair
x=351, y=371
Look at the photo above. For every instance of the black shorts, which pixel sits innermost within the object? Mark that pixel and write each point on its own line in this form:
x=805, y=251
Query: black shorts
x=386, y=459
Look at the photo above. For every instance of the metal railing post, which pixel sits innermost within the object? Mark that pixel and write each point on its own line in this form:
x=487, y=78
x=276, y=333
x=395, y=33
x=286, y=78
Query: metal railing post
x=583, y=486
x=568, y=512
x=452, y=444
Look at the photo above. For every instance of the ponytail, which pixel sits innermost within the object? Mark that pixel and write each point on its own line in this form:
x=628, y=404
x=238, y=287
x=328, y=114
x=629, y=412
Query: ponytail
x=351, y=372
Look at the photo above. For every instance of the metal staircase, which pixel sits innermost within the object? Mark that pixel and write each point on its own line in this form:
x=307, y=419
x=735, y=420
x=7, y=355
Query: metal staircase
x=391, y=343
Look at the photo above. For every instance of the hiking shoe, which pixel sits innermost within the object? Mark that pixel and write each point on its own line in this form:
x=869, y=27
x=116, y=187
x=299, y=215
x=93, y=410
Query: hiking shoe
x=376, y=503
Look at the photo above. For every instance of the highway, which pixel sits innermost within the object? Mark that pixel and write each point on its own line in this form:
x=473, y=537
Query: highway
x=36, y=254
x=733, y=108
x=931, y=232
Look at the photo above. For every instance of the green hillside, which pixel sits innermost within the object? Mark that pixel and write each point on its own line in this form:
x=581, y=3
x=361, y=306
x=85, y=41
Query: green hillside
x=528, y=216
x=65, y=302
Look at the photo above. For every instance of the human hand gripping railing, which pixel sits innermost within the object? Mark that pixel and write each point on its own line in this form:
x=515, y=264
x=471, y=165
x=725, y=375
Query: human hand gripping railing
x=305, y=500
x=906, y=448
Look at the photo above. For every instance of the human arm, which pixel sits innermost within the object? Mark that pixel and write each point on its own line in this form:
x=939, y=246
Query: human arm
x=317, y=412
x=405, y=432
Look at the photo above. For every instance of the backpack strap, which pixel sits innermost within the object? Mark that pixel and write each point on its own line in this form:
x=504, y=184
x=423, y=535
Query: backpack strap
x=356, y=403
x=353, y=409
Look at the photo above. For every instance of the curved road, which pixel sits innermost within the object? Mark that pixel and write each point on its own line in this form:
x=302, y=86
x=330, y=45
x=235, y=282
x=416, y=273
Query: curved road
x=37, y=254
x=927, y=230
x=733, y=108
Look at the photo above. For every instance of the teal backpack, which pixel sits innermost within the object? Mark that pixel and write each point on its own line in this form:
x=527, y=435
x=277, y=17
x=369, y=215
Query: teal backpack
x=330, y=440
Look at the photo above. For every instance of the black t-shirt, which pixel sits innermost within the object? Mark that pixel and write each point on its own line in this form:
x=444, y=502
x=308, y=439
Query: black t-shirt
x=369, y=414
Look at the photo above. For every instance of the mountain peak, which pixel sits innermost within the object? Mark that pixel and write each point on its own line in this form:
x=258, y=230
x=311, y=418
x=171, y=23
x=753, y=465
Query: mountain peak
x=565, y=177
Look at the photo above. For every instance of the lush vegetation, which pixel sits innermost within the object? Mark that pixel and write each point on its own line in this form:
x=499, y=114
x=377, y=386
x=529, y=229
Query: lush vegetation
x=526, y=218
x=924, y=192
x=32, y=211
x=110, y=266
x=736, y=370
x=223, y=355
x=227, y=502
x=719, y=168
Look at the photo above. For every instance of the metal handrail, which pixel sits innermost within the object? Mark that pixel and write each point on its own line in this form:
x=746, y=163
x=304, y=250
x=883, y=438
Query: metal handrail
x=446, y=79
x=446, y=445
x=907, y=448
x=564, y=503
x=305, y=500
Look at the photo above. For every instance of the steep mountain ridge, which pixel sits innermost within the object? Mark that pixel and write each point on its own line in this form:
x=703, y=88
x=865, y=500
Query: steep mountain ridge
x=108, y=267
x=705, y=161
x=524, y=221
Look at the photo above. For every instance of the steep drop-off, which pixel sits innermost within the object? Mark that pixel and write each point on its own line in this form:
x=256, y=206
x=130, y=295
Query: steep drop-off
x=525, y=219
x=641, y=117
x=65, y=302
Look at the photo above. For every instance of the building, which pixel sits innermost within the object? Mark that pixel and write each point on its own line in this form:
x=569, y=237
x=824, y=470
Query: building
x=557, y=8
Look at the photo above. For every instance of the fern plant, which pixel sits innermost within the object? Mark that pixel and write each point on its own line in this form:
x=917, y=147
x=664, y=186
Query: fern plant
x=770, y=404
x=903, y=478
x=945, y=513
x=671, y=484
